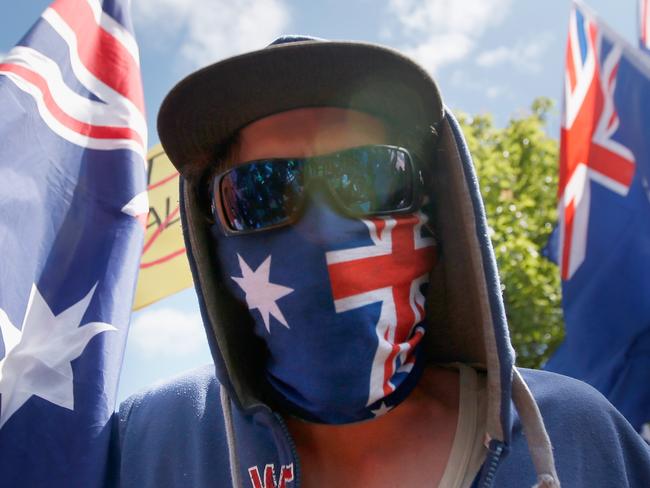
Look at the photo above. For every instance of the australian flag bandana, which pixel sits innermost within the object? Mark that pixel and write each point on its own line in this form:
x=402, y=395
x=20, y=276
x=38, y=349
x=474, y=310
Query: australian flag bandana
x=339, y=303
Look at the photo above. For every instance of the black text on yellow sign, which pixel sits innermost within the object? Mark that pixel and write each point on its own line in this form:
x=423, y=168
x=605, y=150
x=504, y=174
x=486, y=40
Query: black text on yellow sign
x=163, y=269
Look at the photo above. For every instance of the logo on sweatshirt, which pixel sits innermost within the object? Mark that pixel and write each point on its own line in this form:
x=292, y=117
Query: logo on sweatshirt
x=269, y=479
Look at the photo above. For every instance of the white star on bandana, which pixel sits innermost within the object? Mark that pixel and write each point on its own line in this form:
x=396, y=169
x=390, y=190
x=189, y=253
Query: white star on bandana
x=382, y=410
x=260, y=292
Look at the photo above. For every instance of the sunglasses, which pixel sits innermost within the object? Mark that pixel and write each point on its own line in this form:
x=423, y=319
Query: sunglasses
x=362, y=181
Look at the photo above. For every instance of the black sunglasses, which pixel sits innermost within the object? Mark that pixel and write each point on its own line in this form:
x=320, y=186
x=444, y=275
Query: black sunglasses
x=363, y=181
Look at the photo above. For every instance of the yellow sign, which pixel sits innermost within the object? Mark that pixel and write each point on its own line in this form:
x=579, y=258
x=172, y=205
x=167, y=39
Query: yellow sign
x=163, y=269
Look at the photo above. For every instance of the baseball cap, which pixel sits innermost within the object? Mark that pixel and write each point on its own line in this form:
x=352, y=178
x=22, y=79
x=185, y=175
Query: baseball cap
x=207, y=107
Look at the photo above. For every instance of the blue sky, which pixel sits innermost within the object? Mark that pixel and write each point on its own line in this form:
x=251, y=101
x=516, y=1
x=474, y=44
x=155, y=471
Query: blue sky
x=491, y=56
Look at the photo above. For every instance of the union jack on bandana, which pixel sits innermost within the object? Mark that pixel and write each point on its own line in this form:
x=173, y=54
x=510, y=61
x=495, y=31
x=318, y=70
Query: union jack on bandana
x=339, y=303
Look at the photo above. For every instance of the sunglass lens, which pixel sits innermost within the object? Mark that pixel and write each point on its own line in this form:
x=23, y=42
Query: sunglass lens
x=262, y=194
x=372, y=180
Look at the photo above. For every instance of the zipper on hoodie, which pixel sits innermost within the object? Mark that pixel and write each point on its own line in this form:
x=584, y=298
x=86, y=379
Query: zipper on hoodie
x=292, y=449
x=491, y=464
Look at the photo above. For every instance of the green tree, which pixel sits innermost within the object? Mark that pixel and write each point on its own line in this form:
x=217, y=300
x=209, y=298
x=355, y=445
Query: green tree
x=517, y=170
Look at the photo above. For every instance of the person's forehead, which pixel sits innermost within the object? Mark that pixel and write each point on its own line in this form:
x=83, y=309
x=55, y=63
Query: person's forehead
x=308, y=132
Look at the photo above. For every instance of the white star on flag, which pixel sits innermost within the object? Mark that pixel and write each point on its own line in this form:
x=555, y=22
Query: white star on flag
x=260, y=292
x=38, y=356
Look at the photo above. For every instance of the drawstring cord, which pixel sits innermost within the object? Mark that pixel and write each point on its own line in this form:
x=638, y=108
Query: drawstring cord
x=230, y=439
x=539, y=444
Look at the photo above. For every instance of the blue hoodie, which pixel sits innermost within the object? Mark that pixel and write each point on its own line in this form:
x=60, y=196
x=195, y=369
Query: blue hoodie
x=211, y=427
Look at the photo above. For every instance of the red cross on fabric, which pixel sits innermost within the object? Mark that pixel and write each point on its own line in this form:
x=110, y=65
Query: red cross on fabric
x=584, y=141
x=394, y=269
x=578, y=146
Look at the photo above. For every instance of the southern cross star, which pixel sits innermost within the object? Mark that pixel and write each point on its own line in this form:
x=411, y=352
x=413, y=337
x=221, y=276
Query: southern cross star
x=37, y=357
x=260, y=292
x=381, y=410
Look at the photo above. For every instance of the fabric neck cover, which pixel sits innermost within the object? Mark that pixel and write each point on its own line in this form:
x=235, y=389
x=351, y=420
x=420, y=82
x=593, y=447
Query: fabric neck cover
x=339, y=303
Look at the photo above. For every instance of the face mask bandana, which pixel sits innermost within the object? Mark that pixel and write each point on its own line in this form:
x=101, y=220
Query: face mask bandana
x=339, y=303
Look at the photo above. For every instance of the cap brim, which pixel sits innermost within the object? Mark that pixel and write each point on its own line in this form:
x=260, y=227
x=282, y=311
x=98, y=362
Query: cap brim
x=209, y=106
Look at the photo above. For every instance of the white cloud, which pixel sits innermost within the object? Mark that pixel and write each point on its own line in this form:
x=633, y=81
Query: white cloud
x=495, y=56
x=168, y=332
x=439, y=50
x=493, y=91
x=524, y=56
x=462, y=81
x=445, y=31
x=204, y=31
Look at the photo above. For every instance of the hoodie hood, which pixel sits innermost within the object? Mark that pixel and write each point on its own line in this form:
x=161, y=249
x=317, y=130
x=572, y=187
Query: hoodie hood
x=465, y=310
x=464, y=305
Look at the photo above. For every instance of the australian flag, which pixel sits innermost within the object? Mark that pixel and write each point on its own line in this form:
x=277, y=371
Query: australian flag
x=340, y=304
x=72, y=199
x=604, y=208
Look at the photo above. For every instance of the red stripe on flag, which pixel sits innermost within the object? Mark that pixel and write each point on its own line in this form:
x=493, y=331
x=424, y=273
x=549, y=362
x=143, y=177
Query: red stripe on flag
x=114, y=66
x=570, y=67
x=612, y=120
x=610, y=88
x=94, y=131
x=612, y=77
x=569, y=214
x=593, y=35
x=611, y=165
x=389, y=365
x=644, y=22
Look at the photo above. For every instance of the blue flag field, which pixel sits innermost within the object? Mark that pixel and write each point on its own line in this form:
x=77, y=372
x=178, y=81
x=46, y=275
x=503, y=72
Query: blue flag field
x=73, y=201
x=604, y=229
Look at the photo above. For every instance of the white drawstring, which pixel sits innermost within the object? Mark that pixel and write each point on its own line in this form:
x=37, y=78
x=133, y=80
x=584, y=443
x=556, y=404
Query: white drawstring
x=539, y=444
x=230, y=439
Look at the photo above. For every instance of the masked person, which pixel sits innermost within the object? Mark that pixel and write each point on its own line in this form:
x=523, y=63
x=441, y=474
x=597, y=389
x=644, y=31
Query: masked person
x=350, y=295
